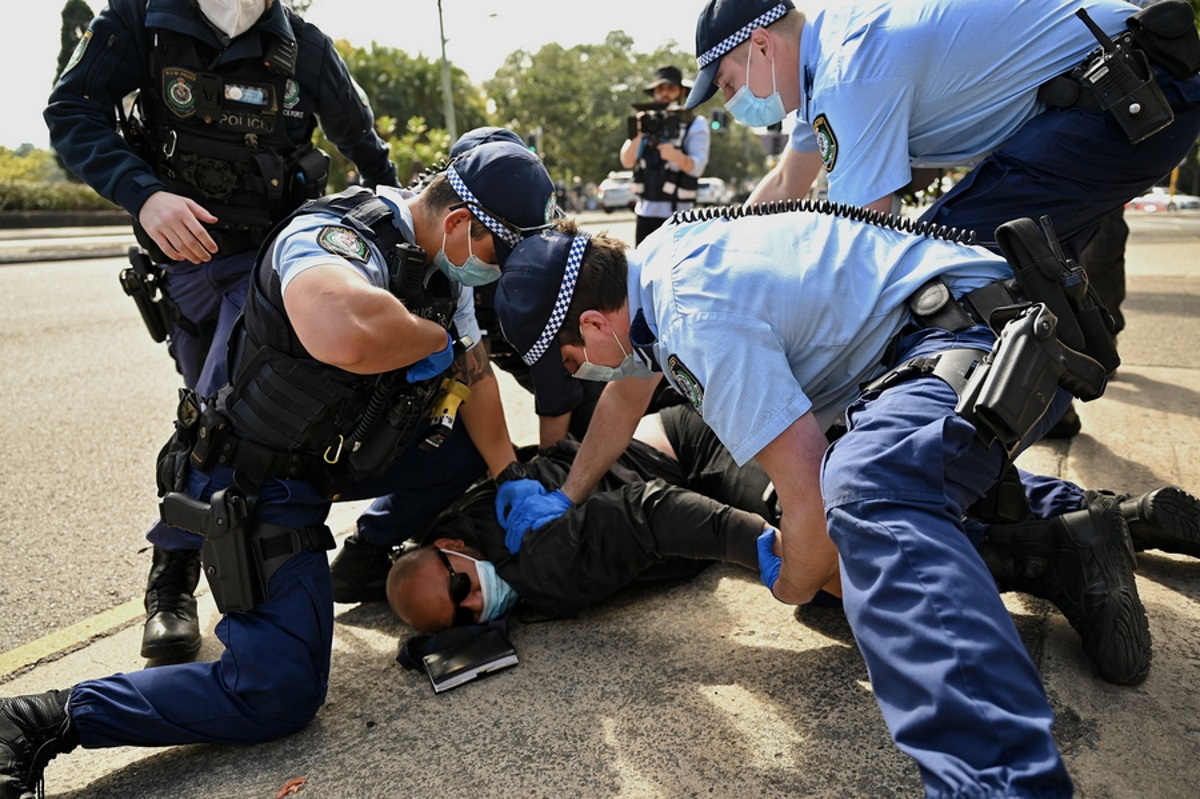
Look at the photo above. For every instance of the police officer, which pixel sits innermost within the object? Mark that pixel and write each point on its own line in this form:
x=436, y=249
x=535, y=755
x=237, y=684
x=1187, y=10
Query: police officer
x=361, y=566
x=1002, y=97
x=668, y=159
x=998, y=86
x=352, y=318
x=217, y=149
x=769, y=325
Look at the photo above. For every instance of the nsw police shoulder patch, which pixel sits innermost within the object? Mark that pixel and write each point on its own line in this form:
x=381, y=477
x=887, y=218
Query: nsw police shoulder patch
x=344, y=242
x=686, y=381
x=77, y=55
x=827, y=144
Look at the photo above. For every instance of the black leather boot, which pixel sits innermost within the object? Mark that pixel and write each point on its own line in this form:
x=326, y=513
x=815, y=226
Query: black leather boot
x=33, y=730
x=1083, y=563
x=1166, y=519
x=172, y=631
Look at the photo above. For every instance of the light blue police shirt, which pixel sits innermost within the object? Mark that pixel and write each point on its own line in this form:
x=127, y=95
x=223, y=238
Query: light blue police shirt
x=298, y=248
x=888, y=86
x=762, y=319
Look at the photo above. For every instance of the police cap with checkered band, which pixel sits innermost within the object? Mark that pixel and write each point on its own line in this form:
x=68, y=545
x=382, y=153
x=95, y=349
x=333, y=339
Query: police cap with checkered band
x=723, y=25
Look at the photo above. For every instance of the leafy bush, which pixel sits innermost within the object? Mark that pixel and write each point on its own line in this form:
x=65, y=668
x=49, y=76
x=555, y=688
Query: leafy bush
x=24, y=195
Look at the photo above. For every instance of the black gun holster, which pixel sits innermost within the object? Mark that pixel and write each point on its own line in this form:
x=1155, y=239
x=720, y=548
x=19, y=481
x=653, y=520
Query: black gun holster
x=143, y=281
x=239, y=556
x=1051, y=331
x=222, y=521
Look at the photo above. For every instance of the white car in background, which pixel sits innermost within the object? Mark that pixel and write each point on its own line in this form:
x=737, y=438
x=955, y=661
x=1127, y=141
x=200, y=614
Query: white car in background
x=616, y=192
x=712, y=191
x=1159, y=199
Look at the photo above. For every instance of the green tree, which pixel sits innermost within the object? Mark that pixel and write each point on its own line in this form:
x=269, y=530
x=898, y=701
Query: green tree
x=76, y=15
x=582, y=98
x=406, y=95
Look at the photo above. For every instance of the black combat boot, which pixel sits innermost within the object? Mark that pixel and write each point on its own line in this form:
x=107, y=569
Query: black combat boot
x=1083, y=563
x=33, y=730
x=1166, y=519
x=360, y=571
x=172, y=631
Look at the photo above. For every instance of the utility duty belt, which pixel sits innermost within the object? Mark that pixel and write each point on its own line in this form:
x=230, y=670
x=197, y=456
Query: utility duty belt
x=1051, y=332
x=1117, y=77
x=239, y=563
x=239, y=554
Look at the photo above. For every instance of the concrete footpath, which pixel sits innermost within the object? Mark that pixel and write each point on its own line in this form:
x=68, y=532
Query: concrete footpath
x=710, y=687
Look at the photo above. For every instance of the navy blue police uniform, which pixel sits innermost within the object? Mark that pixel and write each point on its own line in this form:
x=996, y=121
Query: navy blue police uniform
x=228, y=124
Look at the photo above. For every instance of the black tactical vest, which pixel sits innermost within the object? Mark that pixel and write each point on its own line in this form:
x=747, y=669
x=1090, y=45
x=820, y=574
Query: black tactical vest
x=280, y=396
x=656, y=179
x=216, y=133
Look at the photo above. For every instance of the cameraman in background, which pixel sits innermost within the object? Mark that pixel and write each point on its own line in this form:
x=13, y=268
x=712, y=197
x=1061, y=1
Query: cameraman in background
x=667, y=150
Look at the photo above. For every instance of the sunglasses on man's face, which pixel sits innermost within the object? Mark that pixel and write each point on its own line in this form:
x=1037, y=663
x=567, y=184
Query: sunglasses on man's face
x=460, y=589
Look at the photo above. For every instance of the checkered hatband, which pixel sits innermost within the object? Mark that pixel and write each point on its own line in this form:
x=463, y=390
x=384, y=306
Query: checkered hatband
x=741, y=35
x=566, y=290
x=489, y=221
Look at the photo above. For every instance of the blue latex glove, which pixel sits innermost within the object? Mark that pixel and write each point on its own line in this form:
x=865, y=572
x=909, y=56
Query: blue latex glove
x=432, y=365
x=511, y=492
x=532, y=512
x=768, y=562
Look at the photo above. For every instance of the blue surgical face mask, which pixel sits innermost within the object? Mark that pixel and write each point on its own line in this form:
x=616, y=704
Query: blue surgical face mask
x=628, y=367
x=475, y=272
x=498, y=596
x=750, y=109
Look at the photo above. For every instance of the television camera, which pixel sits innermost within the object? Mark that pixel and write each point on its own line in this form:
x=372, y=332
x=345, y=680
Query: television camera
x=656, y=122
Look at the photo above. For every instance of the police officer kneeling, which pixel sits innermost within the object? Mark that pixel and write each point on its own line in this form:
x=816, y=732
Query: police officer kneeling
x=771, y=324
x=336, y=370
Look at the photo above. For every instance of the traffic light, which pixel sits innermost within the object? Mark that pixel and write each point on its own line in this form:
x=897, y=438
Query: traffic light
x=532, y=141
x=719, y=120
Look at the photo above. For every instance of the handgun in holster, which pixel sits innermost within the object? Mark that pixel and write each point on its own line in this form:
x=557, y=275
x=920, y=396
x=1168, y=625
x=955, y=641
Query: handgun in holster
x=143, y=281
x=225, y=554
x=1084, y=326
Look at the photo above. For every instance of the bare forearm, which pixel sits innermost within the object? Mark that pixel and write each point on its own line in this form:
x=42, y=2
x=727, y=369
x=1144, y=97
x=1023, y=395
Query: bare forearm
x=791, y=178
x=483, y=413
x=793, y=461
x=552, y=429
x=617, y=413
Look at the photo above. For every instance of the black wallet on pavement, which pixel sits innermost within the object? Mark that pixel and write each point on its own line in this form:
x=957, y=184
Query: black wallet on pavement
x=469, y=659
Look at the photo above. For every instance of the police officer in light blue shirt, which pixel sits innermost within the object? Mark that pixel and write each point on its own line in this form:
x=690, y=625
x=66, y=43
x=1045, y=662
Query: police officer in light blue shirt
x=770, y=325
x=882, y=88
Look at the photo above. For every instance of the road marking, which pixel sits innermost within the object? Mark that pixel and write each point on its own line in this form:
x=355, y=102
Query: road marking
x=61, y=641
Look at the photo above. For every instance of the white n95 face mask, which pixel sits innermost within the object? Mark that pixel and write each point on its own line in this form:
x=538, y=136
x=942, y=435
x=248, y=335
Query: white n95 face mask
x=232, y=17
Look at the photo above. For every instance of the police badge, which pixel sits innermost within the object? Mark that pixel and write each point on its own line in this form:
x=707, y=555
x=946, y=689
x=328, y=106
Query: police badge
x=686, y=382
x=344, y=242
x=826, y=142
